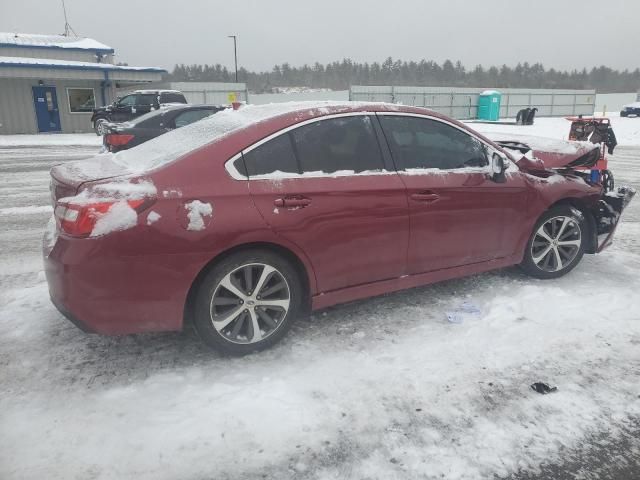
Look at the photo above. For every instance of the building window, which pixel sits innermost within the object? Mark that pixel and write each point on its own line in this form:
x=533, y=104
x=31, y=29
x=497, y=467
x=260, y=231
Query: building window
x=81, y=100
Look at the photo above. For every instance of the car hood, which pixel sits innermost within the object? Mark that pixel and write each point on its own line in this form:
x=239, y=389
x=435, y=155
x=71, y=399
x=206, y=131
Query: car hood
x=552, y=152
x=106, y=108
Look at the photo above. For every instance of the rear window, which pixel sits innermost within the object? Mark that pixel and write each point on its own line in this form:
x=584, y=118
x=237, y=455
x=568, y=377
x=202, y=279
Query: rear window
x=172, y=97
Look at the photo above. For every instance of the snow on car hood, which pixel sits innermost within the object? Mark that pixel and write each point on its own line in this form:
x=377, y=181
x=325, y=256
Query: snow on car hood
x=632, y=105
x=553, y=152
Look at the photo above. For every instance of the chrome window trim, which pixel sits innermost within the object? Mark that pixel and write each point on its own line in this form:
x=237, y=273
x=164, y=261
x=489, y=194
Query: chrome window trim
x=232, y=170
x=236, y=175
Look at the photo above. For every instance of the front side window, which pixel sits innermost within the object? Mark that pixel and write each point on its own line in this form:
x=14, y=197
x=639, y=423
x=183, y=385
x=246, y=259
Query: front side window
x=127, y=101
x=81, y=100
x=424, y=143
x=185, y=118
x=345, y=143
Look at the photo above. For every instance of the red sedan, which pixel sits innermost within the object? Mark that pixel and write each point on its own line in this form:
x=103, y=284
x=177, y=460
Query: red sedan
x=246, y=220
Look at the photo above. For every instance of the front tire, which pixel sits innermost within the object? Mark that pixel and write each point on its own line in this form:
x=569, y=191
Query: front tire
x=247, y=302
x=557, y=243
x=100, y=126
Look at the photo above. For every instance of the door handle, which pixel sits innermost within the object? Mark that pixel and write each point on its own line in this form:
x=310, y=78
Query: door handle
x=427, y=197
x=292, y=202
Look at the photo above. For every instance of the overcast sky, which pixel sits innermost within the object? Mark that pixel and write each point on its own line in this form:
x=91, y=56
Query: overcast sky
x=562, y=34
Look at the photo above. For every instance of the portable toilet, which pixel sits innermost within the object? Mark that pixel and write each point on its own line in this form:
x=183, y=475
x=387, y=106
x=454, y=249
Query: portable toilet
x=489, y=105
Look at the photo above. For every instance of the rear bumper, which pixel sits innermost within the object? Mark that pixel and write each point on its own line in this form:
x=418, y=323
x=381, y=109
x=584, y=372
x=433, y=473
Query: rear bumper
x=111, y=294
x=608, y=212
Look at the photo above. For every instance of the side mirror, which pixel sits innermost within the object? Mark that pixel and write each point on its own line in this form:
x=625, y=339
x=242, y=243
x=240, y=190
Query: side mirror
x=498, y=168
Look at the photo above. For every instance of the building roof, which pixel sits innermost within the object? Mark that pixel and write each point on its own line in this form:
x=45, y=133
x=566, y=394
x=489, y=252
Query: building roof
x=27, y=62
x=33, y=40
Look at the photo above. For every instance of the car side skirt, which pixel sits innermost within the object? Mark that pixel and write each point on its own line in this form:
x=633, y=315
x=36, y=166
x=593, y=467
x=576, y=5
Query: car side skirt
x=359, y=292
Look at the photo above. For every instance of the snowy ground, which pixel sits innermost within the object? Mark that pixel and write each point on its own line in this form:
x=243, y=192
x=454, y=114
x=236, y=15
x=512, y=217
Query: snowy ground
x=382, y=389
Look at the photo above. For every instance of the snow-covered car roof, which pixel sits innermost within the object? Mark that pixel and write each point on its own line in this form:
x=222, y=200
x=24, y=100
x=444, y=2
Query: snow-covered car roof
x=51, y=41
x=632, y=105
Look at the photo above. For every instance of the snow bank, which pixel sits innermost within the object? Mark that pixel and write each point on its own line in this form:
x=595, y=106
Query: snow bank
x=43, y=140
x=196, y=211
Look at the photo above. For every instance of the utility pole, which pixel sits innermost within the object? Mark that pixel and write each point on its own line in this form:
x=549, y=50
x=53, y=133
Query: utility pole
x=235, y=53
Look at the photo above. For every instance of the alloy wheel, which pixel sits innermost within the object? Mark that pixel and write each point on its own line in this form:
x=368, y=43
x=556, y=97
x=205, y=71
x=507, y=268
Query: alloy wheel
x=101, y=127
x=556, y=244
x=250, y=303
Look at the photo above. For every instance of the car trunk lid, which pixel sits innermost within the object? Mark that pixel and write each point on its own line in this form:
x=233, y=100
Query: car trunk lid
x=68, y=178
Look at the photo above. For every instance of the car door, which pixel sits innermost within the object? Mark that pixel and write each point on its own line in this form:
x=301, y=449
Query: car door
x=324, y=186
x=459, y=215
x=122, y=109
x=145, y=102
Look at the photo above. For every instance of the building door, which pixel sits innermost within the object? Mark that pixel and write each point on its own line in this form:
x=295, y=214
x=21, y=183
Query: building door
x=46, y=106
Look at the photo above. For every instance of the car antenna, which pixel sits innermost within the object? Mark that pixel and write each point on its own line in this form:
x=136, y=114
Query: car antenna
x=67, y=26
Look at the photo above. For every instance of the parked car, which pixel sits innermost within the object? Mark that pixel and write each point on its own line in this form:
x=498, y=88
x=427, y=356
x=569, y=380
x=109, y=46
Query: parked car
x=121, y=136
x=242, y=222
x=631, y=109
x=133, y=105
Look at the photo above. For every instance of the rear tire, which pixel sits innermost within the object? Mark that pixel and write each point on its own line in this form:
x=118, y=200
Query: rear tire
x=557, y=243
x=247, y=302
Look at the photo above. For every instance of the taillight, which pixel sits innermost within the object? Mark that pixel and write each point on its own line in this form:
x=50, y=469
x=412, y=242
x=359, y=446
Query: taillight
x=118, y=139
x=79, y=220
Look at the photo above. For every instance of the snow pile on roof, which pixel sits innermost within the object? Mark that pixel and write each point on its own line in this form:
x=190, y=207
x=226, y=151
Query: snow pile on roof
x=51, y=41
x=490, y=92
x=632, y=105
x=52, y=62
x=169, y=147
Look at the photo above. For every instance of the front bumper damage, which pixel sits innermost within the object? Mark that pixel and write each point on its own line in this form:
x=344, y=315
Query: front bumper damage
x=607, y=214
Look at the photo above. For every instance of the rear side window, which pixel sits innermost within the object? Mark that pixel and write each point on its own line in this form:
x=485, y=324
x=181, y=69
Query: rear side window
x=424, y=143
x=273, y=156
x=190, y=116
x=346, y=143
x=172, y=97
